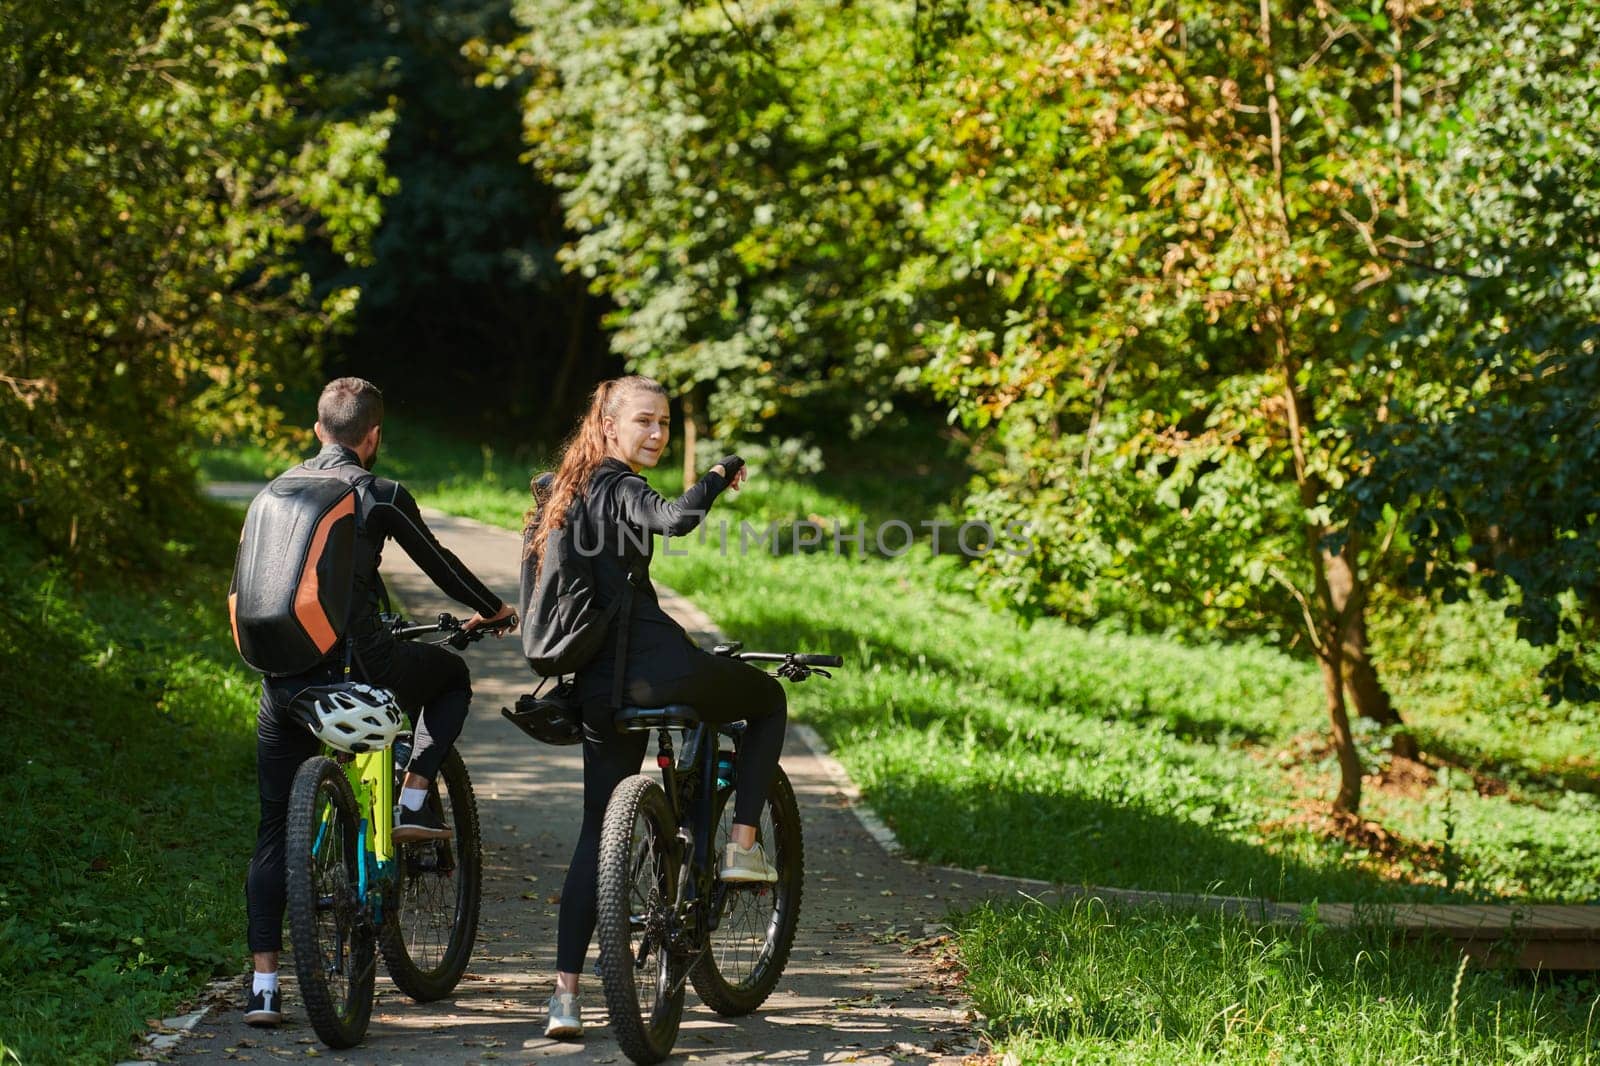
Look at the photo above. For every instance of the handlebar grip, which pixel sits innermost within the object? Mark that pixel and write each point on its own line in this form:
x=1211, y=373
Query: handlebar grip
x=819, y=660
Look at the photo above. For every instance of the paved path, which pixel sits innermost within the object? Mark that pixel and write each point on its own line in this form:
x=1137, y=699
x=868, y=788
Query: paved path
x=866, y=982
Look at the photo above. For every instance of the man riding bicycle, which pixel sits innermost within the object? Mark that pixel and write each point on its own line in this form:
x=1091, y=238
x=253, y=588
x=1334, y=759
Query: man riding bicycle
x=430, y=684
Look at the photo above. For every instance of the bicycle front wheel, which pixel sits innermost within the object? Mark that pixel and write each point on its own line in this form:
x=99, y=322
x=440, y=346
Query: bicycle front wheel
x=638, y=890
x=328, y=925
x=434, y=892
x=749, y=948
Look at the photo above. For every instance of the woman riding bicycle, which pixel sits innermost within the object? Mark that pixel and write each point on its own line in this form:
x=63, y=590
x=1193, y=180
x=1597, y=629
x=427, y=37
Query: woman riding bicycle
x=612, y=514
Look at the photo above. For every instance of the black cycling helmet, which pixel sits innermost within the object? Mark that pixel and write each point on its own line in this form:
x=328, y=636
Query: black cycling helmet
x=553, y=718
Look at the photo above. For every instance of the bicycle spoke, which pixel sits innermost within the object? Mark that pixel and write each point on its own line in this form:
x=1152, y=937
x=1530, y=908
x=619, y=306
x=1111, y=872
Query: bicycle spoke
x=646, y=906
x=335, y=902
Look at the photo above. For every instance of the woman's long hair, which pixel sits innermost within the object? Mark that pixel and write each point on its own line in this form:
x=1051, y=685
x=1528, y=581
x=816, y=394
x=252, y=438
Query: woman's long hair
x=580, y=457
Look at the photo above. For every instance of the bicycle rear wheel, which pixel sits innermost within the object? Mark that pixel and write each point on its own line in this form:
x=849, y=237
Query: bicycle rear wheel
x=431, y=907
x=749, y=948
x=328, y=925
x=638, y=889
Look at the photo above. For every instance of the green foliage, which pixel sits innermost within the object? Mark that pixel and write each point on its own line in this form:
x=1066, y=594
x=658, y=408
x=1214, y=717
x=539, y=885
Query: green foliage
x=131, y=726
x=157, y=185
x=1088, y=982
x=1493, y=466
x=736, y=183
x=1171, y=266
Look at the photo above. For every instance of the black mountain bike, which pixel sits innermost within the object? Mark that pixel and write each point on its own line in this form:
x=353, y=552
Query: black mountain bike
x=665, y=914
x=353, y=892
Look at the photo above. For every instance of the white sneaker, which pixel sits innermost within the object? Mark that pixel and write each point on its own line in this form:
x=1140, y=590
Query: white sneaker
x=746, y=864
x=566, y=1017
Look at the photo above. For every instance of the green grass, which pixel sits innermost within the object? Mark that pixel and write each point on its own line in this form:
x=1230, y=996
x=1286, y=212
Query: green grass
x=1131, y=761
x=1091, y=983
x=129, y=795
x=1473, y=691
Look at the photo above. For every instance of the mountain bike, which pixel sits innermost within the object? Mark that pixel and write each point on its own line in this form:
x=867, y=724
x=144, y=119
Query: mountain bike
x=665, y=915
x=353, y=893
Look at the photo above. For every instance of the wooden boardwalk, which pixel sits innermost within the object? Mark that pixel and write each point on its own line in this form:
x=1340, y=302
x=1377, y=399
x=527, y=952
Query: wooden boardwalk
x=1529, y=937
x=1534, y=937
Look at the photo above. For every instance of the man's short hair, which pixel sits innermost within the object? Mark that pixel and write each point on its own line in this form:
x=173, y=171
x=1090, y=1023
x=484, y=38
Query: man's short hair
x=349, y=408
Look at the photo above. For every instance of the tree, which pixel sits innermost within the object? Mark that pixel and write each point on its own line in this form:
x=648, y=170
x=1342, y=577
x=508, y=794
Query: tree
x=1162, y=260
x=154, y=186
x=1179, y=217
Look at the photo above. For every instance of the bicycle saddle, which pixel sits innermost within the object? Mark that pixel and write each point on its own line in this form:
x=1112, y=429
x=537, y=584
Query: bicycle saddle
x=672, y=716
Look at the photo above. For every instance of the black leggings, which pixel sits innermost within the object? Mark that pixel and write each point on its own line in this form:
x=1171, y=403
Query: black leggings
x=432, y=686
x=721, y=690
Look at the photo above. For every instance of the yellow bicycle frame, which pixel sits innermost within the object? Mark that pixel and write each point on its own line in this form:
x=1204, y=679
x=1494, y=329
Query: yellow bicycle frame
x=371, y=775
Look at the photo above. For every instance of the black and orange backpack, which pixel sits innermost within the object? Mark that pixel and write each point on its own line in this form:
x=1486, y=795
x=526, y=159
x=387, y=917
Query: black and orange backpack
x=294, y=577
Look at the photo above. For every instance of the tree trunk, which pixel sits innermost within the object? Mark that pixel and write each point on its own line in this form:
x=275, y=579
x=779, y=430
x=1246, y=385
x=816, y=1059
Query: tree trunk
x=691, y=436
x=1349, y=798
x=562, y=383
x=1366, y=691
x=1348, y=598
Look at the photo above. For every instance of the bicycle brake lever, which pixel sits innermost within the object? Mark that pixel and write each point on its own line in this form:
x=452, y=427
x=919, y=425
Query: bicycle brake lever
x=794, y=671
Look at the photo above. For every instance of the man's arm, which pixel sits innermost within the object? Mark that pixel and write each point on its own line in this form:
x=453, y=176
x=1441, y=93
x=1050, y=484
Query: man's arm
x=395, y=514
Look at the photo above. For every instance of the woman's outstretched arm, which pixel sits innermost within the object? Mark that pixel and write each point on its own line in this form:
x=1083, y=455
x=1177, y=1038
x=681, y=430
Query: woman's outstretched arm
x=646, y=508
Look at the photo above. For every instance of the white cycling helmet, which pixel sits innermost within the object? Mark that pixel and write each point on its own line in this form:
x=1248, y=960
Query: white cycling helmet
x=351, y=716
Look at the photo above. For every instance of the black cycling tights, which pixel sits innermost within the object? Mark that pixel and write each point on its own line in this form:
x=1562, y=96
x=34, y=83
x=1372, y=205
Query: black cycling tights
x=722, y=690
x=431, y=685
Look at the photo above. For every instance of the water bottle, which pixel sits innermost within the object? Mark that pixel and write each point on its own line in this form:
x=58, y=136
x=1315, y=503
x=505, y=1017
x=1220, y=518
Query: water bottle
x=724, y=769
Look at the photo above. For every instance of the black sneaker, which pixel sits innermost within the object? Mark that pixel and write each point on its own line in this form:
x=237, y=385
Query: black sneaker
x=264, y=1009
x=420, y=824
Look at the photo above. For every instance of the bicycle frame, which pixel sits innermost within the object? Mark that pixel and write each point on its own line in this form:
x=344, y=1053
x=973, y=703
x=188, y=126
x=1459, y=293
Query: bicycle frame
x=695, y=829
x=371, y=776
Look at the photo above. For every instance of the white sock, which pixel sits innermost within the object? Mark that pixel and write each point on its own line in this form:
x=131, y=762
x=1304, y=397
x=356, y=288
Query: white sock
x=412, y=799
x=265, y=982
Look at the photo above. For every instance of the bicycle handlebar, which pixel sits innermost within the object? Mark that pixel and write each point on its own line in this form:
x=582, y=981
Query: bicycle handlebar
x=447, y=623
x=803, y=658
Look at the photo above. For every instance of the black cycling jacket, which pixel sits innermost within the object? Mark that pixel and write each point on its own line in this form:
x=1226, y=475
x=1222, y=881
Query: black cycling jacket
x=389, y=511
x=616, y=523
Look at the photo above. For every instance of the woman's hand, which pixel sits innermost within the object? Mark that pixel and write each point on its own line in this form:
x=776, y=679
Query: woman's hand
x=732, y=470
